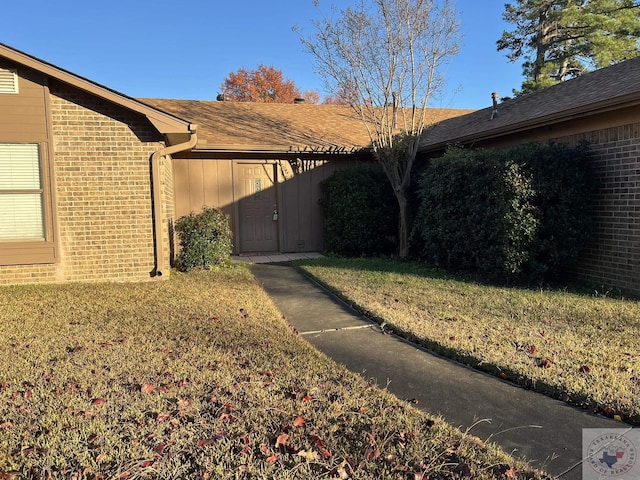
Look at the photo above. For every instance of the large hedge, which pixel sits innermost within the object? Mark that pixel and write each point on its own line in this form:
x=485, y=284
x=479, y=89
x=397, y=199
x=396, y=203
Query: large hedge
x=361, y=212
x=521, y=214
x=205, y=238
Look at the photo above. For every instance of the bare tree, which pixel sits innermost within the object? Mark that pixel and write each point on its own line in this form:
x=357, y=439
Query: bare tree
x=388, y=54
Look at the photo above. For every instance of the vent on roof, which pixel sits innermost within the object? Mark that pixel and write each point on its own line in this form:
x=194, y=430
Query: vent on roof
x=223, y=97
x=299, y=100
x=8, y=80
x=494, y=112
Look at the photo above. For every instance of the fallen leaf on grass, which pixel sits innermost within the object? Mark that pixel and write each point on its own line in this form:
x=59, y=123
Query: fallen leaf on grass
x=147, y=388
x=371, y=453
x=309, y=455
x=343, y=470
x=299, y=421
x=25, y=451
x=163, y=417
x=508, y=472
x=282, y=439
x=272, y=459
x=584, y=369
x=319, y=444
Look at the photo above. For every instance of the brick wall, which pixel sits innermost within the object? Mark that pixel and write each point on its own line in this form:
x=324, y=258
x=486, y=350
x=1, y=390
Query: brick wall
x=612, y=259
x=103, y=202
x=103, y=188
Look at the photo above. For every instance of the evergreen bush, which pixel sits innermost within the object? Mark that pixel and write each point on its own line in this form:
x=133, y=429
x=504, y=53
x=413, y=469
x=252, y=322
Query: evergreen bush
x=361, y=212
x=521, y=214
x=205, y=238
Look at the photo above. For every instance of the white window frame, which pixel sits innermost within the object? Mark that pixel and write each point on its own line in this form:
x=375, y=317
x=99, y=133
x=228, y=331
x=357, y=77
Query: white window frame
x=22, y=204
x=38, y=246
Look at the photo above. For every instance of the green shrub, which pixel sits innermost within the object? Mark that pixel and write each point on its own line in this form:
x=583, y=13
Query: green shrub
x=520, y=215
x=475, y=214
x=205, y=238
x=564, y=185
x=361, y=212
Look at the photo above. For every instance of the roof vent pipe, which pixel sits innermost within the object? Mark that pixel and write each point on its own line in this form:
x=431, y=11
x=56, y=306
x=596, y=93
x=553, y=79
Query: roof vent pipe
x=223, y=97
x=494, y=112
x=299, y=100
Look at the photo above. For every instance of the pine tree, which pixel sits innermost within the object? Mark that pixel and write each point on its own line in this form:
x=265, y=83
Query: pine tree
x=561, y=39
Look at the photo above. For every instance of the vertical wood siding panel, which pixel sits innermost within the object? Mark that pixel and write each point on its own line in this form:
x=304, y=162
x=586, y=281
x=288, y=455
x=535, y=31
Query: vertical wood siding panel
x=196, y=185
x=181, y=183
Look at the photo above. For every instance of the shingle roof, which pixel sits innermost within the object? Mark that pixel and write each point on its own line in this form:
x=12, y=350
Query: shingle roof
x=274, y=126
x=597, y=91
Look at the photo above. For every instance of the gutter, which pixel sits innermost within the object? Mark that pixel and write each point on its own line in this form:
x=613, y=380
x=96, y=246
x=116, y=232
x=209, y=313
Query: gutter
x=156, y=157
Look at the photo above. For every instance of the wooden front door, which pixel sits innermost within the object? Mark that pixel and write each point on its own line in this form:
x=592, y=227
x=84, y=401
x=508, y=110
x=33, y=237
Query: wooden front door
x=256, y=187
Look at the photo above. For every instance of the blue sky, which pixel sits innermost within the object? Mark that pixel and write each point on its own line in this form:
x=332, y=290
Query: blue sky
x=185, y=49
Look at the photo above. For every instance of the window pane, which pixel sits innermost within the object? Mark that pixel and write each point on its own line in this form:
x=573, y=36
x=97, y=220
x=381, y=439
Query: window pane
x=21, y=216
x=19, y=167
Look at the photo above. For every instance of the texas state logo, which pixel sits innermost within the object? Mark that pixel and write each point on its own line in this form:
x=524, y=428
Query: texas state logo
x=610, y=453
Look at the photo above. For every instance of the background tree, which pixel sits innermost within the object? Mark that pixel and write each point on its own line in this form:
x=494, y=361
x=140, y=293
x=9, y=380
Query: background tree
x=561, y=39
x=266, y=84
x=343, y=95
x=388, y=53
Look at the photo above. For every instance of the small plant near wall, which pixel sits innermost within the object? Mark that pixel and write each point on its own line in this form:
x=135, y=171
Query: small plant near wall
x=205, y=239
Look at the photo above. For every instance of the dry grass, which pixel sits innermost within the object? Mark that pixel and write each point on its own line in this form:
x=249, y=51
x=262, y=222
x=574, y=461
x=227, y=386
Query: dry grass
x=200, y=377
x=580, y=348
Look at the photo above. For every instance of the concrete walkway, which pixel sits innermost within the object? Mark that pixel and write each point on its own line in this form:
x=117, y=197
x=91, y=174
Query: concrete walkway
x=528, y=425
x=274, y=257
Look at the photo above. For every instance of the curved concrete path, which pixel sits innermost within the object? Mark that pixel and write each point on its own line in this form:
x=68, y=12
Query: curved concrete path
x=546, y=432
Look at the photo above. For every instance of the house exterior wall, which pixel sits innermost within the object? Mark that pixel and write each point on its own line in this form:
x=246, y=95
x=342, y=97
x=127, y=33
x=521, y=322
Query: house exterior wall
x=202, y=181
x=612, y=258
x=103, y=201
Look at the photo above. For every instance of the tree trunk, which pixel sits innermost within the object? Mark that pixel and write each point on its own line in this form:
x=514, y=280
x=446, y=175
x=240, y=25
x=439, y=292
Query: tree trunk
x=403, y=231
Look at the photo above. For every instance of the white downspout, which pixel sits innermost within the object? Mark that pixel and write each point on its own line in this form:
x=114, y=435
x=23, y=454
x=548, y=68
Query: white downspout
x=157, y=194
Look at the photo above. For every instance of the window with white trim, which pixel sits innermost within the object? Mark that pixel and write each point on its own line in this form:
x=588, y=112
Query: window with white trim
x=21, y=193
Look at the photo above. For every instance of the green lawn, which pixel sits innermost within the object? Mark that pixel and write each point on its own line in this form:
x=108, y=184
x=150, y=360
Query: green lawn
x=584, y=349
x=200, y=377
